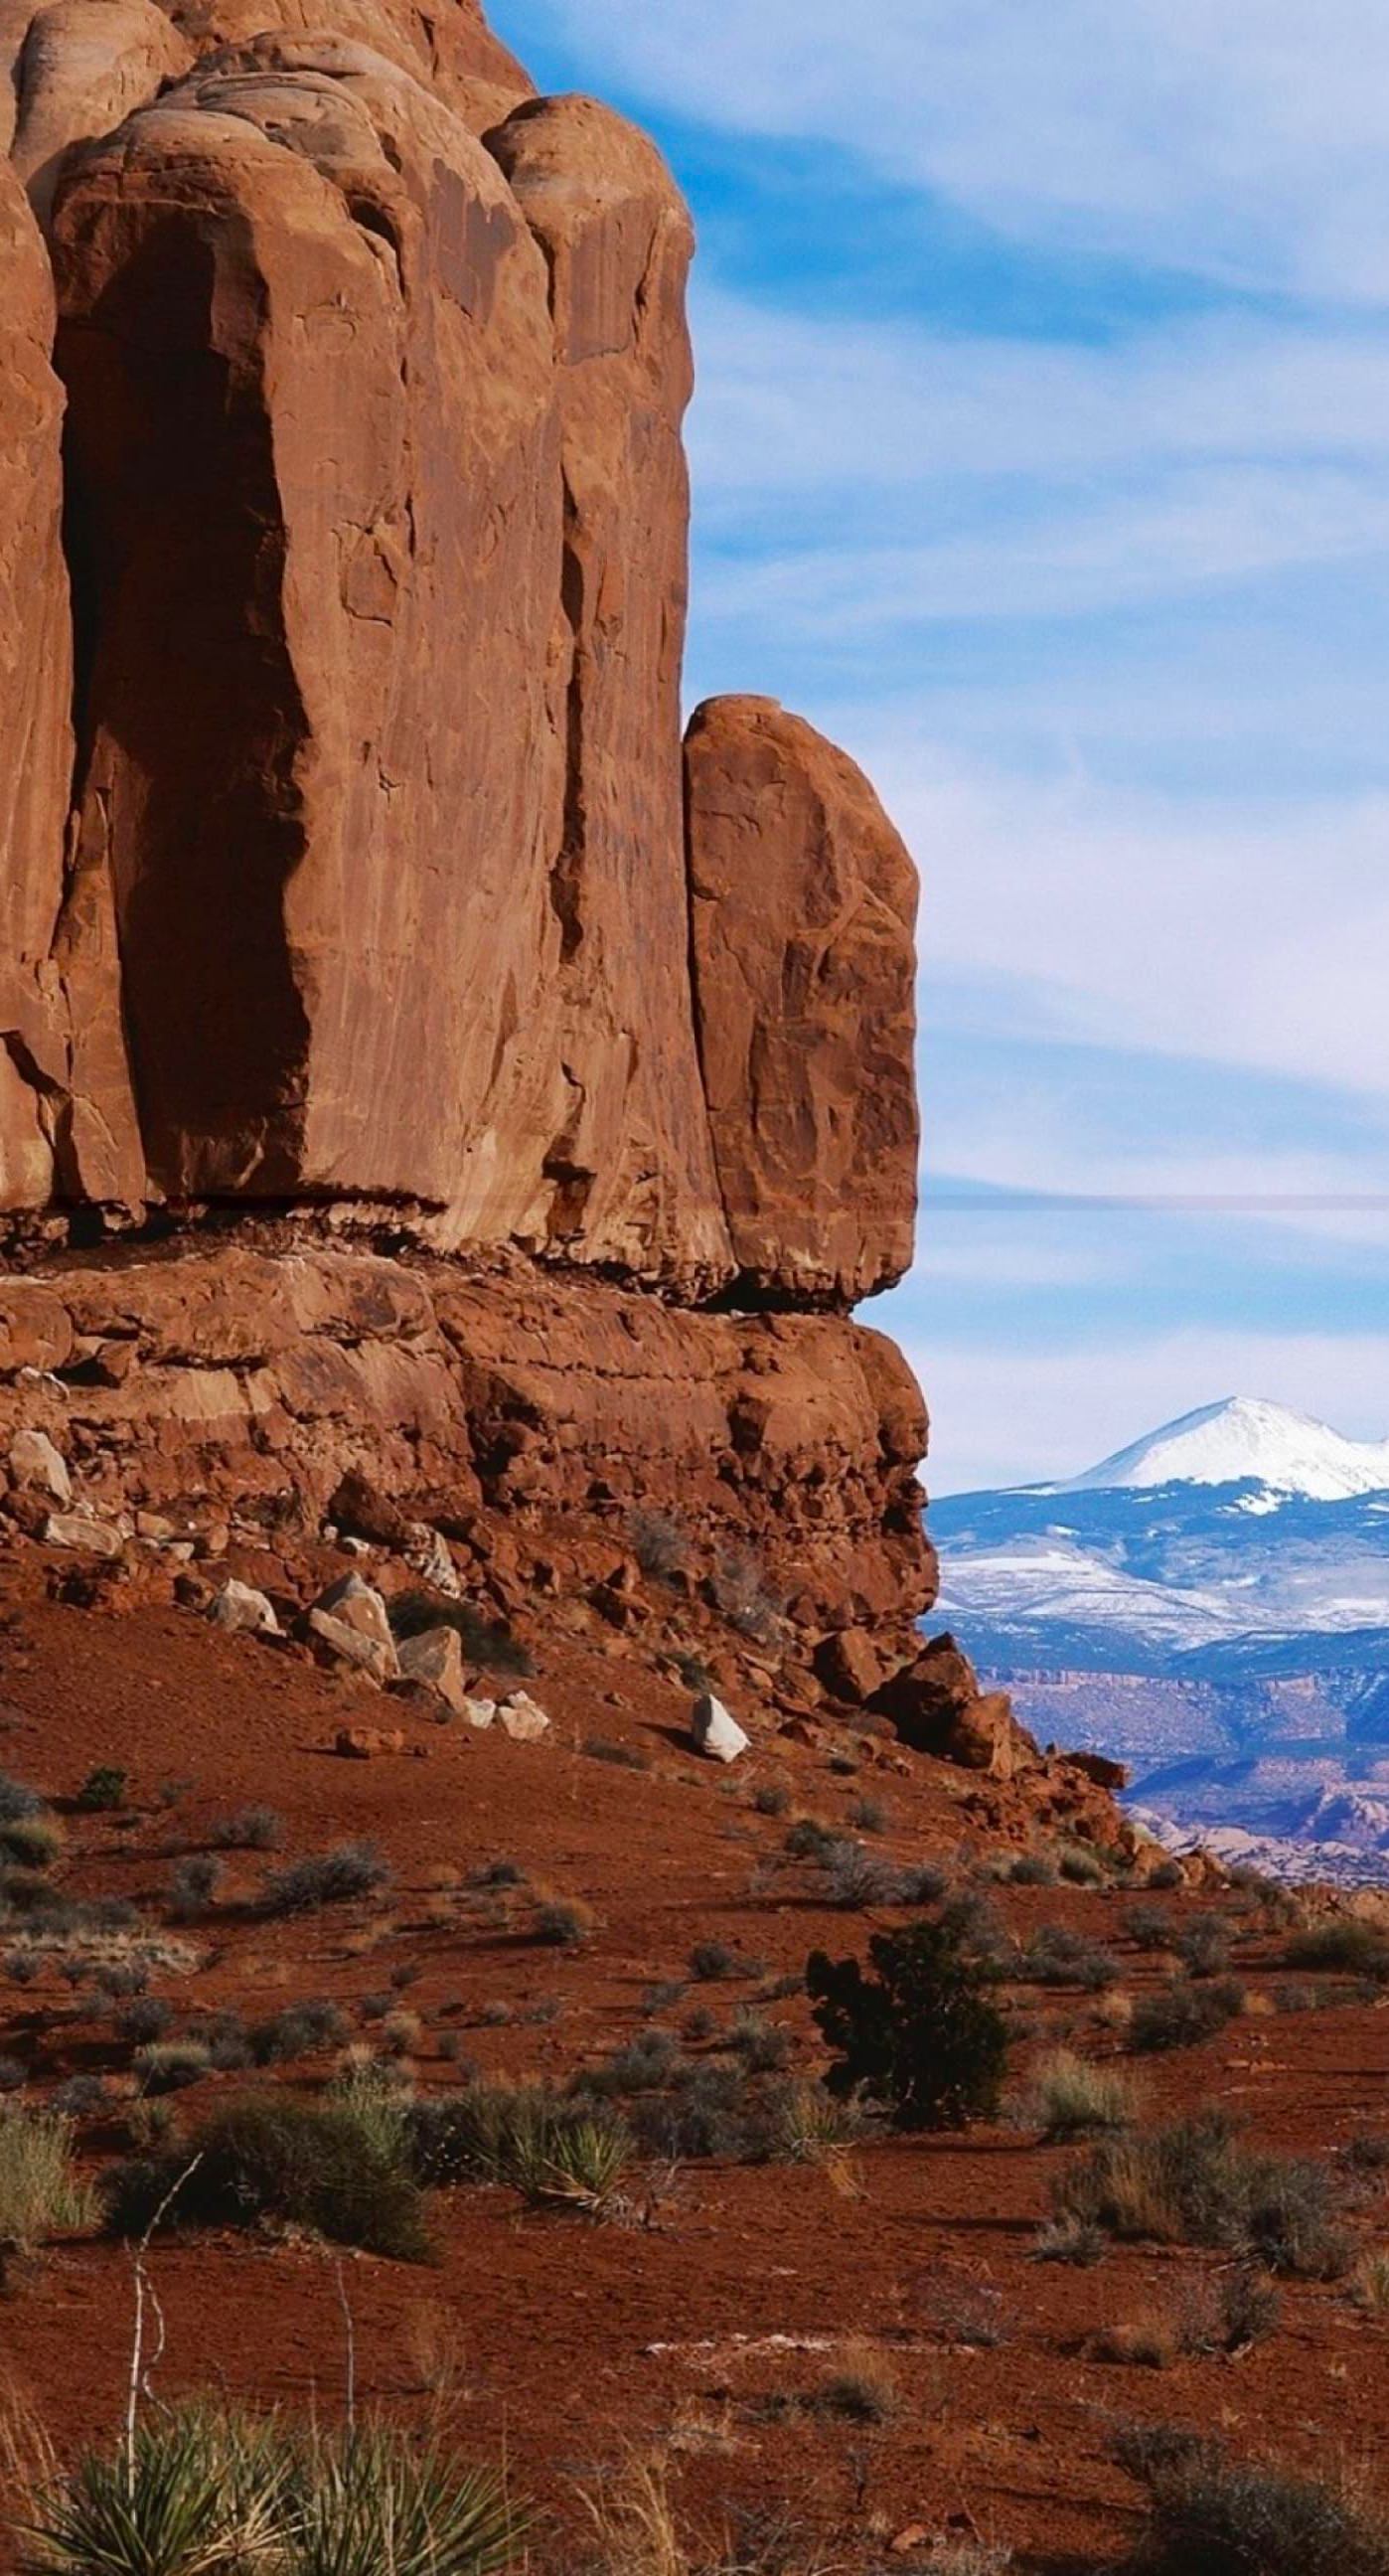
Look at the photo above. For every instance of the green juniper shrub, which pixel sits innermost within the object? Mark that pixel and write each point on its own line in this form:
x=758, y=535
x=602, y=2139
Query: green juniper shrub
x=921, y=2035
x=271, y=2159
x=1180, y=2014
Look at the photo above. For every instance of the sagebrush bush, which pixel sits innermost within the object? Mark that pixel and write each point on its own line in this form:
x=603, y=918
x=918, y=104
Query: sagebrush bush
x=1056, y=1956
x=247, y=1829
x=920, y=2035
x=33, y=1842
x=1215, y=2516
x=1360, y=1949
x=1203, y=1946
x=1194, y=2182
x=1180, y=2014
x=272, y=2159
x=333, y=1877
x=297, y=2031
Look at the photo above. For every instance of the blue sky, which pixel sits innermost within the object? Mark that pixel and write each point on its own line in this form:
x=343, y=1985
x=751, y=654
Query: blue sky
x=1041, y=455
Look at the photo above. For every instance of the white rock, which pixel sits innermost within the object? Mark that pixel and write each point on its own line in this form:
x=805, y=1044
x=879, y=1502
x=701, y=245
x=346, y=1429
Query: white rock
x=427, y=1555
x=40, y=1468
x=74, y=1529
x=521, y=1719
x=715, y=1732
x=357, y=1605
x=435, y=1658
x=239, y=1606
x=479, y=1712
x=347, y=1645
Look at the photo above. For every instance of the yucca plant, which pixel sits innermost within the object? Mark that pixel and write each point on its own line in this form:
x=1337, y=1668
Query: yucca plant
x=191, y=2494
x=812, y=2128
x=39, y=2189
x=367, y=2502
x=579, y=2165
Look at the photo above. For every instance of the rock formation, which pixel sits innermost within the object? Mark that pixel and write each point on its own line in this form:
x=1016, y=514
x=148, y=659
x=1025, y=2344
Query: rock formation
x=354, y=880
x=802, y=913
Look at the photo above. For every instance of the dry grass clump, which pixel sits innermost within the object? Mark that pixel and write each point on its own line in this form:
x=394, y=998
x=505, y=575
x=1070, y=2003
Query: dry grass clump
x=1370, y=2283
x=1194, y=2182
x=1069, y=2097
x=1212, y=2515
x=41, y=2192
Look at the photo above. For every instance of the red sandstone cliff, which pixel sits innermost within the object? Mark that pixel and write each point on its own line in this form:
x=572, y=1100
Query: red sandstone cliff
x=352, y=867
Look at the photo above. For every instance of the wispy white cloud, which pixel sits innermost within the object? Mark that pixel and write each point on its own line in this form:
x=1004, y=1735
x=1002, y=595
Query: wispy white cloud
x=1016, y=1415
x=1243, y=142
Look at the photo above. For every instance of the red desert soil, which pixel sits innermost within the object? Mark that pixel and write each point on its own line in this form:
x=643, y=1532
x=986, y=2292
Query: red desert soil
x=567, y=2344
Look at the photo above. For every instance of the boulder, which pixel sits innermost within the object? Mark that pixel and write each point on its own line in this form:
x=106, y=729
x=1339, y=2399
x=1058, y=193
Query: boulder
x=240, y=1606
x=849, y=1664
x=364, y=1743
x=335, y=1642
x=924, y=1696
x=715, y=1732
x=1099, y=1767
x=435, y=1660
x=357, y=1604
x=985, y=1736
x=522, y=1719
x=802, y=917
x=478, y=1713
x=37, y=1467
x=79, y=1531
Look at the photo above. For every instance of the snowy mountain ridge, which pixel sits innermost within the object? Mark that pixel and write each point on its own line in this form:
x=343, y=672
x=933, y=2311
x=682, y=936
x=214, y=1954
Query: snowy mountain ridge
x=1245, y=1439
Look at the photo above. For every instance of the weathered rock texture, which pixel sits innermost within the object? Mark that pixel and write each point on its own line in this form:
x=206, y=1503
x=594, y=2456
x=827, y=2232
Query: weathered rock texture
x=275, y=1385
x=802, y=910
x=350, y=865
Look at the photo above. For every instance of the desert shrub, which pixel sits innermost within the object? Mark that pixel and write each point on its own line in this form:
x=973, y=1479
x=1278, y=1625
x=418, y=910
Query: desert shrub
x=297, y=2031
x=488, y=1642
x=1229, y=2314
x=14, y=2075
x=1069, y=2097
x=104, y=1792
x=812, y=2128
x=171, y=2065
x=855, y=1877
x=1150, y=1927
x=739, y=1590
x=808, y=1839
x=1070, y=2240
x=643, y=2065
x=34, y=1842
x=146, y=2017
x=764, y=2046
x=227, y=2040
x=623, y=1757
x=498, y=1873
x=247, y=1829
x=1193, y=2182
x=17, y=1800
x=771, y=1799
x=1370, y=2286
x=1056, y=1956
x=40, y=2191
x=1203, y=1946
x=711, y=2112
x=659, y=1541
x=1214, y=2516
x=869, y=1815
x=271, y=2159
x=78, y=2097
x=1033, y=1869
x=1167, y=1873
x=862, y=2390
x=552, y=2149
x=333, y=1877
x=920, y=2035
x=1181, y=2015
x=920, y=1885
x=712, y=1961
x=1360, y=1949
x=193, y=1887
x=563, y=1923
x=1368, y=2151
x=382, y=2107
x=1080, y=1867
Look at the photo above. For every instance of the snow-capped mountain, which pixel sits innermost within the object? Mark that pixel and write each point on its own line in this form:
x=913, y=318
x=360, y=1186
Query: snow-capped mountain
x=1212, y=1604
x=1240, y=1440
